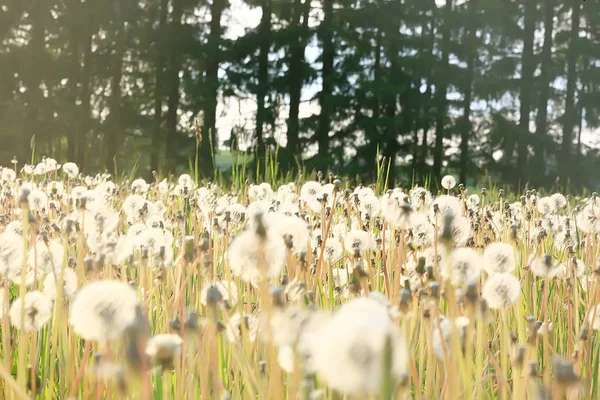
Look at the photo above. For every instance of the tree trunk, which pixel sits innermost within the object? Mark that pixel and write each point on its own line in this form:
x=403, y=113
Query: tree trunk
x=465, y=124
x=426, y=110
x=114, y=120
x=264, y=30
x=570, y=117
x=541, y=121
x=172, y=80
x=441, y=90
x=209, y=132
x=158, y=85
x=86, y=78
x=326, y=30
x=35, y=100
x=296, y=77
x=74, y=78
x=527, y=70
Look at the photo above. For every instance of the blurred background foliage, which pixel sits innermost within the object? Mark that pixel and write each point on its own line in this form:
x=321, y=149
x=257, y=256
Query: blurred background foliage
x=502, y=89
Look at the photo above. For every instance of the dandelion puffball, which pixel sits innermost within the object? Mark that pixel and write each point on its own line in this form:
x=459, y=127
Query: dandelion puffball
x=252, y=257
x=499, y=257
x=448, y=182
x=358, y=239
x=31, y=312
x=69, y=283
x=103, y=310
x=501, y=290
x=164, y=348
x=348, y=351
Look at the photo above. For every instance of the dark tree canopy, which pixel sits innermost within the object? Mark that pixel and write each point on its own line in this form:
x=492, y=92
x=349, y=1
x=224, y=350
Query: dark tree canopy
x=476, y=88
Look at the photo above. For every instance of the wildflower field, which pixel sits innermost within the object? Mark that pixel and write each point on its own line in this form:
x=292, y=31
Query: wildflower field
x=170, y=289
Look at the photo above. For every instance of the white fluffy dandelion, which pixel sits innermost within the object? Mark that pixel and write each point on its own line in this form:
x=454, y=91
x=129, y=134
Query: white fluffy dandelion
x=11, y=252
x=251, y=257
x=448, y=182
x=360, y=239
x=347, y=352
x=227, y=290
x=499, y=257
x=32, y=312
x=501, y=290
x=463, y=268
x=544, y=266
x=69, y=283
x=70, y=169
x=102, y=310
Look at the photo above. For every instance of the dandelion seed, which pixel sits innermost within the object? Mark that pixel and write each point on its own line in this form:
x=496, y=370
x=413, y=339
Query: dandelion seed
x=70, y=169
x=164, y=348
x=251, y=257
x=576, y=265
x=310, y=191
x=498, y=257
x=359, y=239
x=37, y=200
x=233, y=328
x=103, y=310
x=422, y=232
x=8, y=175
x=501, y=290
x=463, y=268
x=447, y=205
x=289, y=228
x=368, y=206
x=333, y=250
x=546, y=205
x=544, y=266
x=46, y=256
x=11, y=252
x=69, y=283
x=32, y=312
x=227, y=290
x=448, y=182
x=139, y=186
x=347, y=352
x=473, y=202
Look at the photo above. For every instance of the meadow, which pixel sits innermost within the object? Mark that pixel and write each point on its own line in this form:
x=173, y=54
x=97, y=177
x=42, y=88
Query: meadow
x=310, y=289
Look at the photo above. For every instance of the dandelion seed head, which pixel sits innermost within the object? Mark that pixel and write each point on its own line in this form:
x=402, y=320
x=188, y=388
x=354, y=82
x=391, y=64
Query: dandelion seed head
x=11, y=251
x=448, y=182
x=69, y=284
x=247, y=249
x=290, y=228
x=499, y=257
x=103, y=310
x=473, y=201
x=463, y=268
x=544, y=266
x=164, y=347
x=37, y=309
x=70, y=169
x=347, y=352
x=546, y=205
x=233, y=328
x=8, y=175
x=422, y=231
x=37, y=200
x=501, y=290
x=46, y=256
x=139, y=186
x=227, y=289
x=359, y=239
